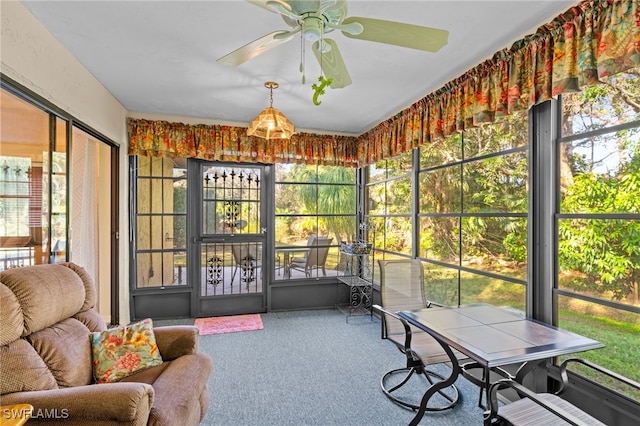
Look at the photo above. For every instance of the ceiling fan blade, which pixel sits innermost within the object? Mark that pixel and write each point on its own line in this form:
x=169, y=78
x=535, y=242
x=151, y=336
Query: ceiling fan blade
x=283, y=9
x=256, y=48
x=331, y=63
x=399, y=34
x=262, y=4
x=326, y=5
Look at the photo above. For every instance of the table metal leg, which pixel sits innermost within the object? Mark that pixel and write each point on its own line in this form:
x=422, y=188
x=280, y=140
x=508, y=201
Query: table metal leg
x=484, y=381
x=528, y=367
x=487, y=382
x=437, y=386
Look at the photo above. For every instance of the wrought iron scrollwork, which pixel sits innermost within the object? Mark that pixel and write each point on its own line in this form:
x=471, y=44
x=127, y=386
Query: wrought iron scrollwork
x=215, y=270
x=231, y=214
x=248, y=266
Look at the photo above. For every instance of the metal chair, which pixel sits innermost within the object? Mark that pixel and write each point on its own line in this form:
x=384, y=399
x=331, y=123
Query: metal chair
x=531, y=408
x=315, y=257
x=246, y=259
x=401, y=288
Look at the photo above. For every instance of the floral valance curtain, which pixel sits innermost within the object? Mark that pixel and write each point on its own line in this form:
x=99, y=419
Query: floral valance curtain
x=592, y=40
x=595, y=39
x=228, y=143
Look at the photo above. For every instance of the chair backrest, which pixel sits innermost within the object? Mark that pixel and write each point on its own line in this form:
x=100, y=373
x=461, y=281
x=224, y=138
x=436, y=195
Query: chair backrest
x=244, y=253
x=319, y=248
x=44, y=311
x=401, y=288
x=311, y=241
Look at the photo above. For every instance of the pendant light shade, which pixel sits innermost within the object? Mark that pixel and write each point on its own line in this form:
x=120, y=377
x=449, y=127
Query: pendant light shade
x=271, y=123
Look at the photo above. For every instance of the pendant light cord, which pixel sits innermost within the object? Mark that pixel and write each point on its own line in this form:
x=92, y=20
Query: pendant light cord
x=271, y=95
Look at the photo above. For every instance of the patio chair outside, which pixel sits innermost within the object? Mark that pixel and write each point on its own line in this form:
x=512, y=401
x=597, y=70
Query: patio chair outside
x=246, y=260
x=316, y=256
x=401, y=288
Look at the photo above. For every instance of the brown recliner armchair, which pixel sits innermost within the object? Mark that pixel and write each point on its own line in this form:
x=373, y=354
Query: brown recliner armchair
x=46, y=317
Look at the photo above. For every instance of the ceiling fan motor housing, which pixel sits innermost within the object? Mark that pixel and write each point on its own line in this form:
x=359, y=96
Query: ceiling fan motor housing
x=312, y=28
x=313, y=20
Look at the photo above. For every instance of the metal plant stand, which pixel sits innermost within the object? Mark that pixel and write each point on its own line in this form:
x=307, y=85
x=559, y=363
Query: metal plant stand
x=358, y=276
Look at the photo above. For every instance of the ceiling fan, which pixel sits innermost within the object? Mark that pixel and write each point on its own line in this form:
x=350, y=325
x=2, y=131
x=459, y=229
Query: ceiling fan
x=315, y=18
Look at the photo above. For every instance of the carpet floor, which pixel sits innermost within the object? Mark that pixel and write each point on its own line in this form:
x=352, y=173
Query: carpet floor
x=314, y=368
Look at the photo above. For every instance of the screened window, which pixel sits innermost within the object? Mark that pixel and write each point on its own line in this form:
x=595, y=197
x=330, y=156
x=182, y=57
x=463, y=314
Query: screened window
x=389, y=205
x=471, y=213
x=161, y=222
x=315, y=210
x=599, y=219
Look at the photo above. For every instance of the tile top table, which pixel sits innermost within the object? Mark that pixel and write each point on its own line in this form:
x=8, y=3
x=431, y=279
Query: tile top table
x=492, y=337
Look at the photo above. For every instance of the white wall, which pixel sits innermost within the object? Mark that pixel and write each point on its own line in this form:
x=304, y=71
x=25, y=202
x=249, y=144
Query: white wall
x=31, y=56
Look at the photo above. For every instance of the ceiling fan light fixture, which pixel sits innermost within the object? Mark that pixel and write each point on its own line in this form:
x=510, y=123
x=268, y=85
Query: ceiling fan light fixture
x=312, y=28
x=271, y=123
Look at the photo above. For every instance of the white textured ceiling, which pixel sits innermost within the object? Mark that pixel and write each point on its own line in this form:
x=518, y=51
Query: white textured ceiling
x=159, y=57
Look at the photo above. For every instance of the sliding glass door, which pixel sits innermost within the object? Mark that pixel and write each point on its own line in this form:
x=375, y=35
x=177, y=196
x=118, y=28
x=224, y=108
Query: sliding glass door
x=58, y=194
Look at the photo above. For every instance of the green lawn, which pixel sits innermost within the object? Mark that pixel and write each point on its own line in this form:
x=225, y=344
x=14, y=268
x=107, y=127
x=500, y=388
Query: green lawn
x=621, y=340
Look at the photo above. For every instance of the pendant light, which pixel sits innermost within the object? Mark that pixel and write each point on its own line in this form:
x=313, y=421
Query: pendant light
x=271, y=123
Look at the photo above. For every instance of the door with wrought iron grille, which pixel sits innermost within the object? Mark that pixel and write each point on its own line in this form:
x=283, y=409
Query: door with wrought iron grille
x=230, y=240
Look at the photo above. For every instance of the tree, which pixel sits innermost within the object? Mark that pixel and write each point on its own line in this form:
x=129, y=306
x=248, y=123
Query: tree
x=332, y=198
x=607, y=251
x=390, y=200
x=601, y=175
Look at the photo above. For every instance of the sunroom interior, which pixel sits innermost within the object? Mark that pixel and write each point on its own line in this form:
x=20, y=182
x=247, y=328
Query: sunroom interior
x=513, y=180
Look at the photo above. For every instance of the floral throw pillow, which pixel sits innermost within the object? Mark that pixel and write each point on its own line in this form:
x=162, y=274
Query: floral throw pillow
x=120, y=352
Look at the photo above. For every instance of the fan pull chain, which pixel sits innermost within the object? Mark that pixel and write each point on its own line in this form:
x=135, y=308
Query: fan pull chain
x=302, y=59
x=321, y=48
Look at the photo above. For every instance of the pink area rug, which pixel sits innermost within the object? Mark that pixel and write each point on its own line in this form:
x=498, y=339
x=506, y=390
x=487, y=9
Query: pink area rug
x=228, y=324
